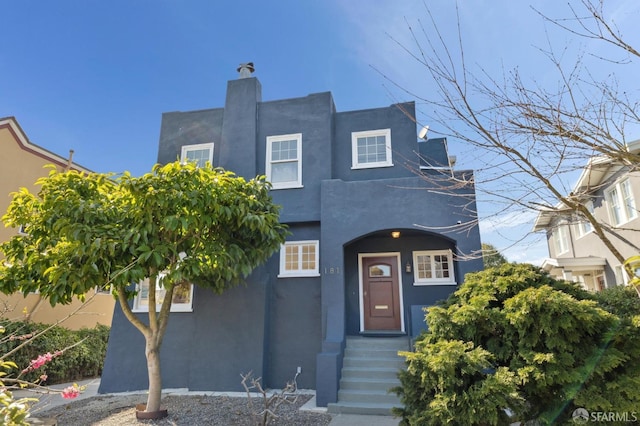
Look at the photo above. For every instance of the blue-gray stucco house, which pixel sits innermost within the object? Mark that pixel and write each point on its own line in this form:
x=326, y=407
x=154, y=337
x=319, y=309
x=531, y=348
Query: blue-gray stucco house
x=374, y=215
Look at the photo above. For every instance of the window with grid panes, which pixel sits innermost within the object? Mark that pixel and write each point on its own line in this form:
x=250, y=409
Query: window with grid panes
x=622, y=205
x=433, y=267
x=371, y=149
x=181, y=301
x=199, y=154
x=284, y=161
x=299, y=259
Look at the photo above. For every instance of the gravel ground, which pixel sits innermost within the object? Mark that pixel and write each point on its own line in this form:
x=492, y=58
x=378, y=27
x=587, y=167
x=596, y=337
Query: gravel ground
x=187, y=410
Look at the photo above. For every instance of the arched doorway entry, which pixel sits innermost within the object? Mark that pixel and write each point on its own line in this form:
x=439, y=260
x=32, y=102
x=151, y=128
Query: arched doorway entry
x=383, y=290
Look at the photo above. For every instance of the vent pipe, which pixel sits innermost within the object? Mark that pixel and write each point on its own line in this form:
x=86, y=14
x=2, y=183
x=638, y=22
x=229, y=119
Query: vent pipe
x=246, y=70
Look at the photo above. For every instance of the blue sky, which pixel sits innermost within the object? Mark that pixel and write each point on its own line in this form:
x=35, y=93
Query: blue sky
x=95, y=76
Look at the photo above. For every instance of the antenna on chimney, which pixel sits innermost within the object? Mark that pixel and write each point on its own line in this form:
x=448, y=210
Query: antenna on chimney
x=246, y=70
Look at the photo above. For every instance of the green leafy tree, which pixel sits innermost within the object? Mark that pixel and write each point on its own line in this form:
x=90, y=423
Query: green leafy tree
x=512, y=338
x=177, y=224
x=491, y=256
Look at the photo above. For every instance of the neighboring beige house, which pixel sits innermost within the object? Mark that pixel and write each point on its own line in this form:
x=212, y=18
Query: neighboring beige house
x=611, y=192
x=22, y=164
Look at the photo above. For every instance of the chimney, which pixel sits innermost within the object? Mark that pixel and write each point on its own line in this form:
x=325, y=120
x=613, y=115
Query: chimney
x=246, y=70
x=240, y=124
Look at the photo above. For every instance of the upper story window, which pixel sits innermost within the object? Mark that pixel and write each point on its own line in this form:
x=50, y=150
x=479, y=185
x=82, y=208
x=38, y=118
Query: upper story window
x=299, y=259
x=622, y=206
x=371, y=149
x=284, y=161
x=583, y=227
x=199, y=154
x=181, y=301
x=561, y=239
x=433, y=267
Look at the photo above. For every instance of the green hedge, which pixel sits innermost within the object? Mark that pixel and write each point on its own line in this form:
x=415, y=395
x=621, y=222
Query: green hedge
x=79, y=362
x=514, y=338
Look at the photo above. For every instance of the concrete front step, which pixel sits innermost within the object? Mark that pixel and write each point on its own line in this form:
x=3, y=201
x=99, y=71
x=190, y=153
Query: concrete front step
x=381, y=385
x=369, y=373
x=371, y=362
x=373, y=343
x=369, y=396
x=370, y=369
x=372, y=352
x=361, y=408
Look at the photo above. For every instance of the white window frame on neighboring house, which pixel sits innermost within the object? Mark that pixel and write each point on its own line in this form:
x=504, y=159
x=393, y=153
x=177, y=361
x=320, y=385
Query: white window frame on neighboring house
x=621, y=203
x=429, y=267
x=186, y=149
x=274, y=161
x=561, y=239
x=584, y=227
x=365, y=155
x=621, y=275
x=296, y=260
x=139, y=304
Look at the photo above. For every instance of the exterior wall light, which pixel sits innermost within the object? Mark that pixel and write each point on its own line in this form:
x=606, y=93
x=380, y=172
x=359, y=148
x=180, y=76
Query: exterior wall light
x=395, y=234
x=407, y=267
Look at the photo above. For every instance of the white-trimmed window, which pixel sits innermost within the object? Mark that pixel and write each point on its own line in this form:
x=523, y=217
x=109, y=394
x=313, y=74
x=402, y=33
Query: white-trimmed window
x=371, y=149
x=182, y=300
x=433, y=267
x=299, y=259
x=284, y=161
x=583, y=227
x=561, y=239
x=622, y=278
x=199, y=154
x=622, y=205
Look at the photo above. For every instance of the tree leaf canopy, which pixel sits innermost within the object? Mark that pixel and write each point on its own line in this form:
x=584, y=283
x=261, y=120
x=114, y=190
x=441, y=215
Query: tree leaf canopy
x=204, y=225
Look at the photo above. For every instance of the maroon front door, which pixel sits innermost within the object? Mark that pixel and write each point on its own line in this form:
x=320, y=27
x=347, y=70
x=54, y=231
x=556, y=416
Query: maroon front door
x=381, y=293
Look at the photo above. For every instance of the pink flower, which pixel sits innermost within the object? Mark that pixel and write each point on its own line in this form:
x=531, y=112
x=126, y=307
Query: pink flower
x=71, y=392
x=34, y=364
x=43, y=377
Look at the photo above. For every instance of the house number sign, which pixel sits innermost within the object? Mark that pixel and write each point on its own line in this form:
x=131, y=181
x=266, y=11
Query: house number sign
x=331, y=270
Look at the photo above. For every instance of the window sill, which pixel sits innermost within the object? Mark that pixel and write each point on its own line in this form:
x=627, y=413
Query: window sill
x=618, y=225
x=300, y=275
x=423, y=283
x=275, y=188
x=144, y=311
x=579, y=237
x=371, y=166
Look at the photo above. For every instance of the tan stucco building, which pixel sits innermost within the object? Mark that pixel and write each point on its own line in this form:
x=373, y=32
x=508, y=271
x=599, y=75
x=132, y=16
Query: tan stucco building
x=22, y=164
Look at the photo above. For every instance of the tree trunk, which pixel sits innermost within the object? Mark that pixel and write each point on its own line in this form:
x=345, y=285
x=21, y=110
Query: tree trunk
x=152, y=352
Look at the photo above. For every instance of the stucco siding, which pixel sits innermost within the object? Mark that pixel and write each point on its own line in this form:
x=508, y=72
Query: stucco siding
x=189, y=128
x=276, y=324
x=312, y=116
x=23, y=163
x=404, y=144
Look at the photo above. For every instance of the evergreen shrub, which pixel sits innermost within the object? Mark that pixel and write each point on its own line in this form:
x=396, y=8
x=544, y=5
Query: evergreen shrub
x=513, y=344
x=85, y=360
